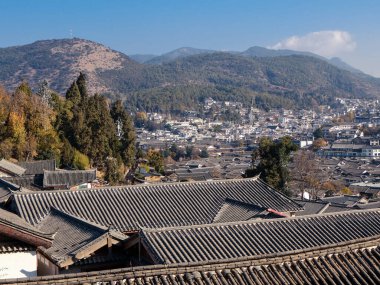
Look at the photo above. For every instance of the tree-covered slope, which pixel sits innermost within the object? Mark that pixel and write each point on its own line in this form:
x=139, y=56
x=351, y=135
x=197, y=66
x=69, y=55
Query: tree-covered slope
x=182, y=83
x=296, y=81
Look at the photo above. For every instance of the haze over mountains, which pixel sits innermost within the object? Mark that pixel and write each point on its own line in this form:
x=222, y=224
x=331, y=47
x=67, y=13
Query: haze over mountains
x=255, y=51
x=180, y=79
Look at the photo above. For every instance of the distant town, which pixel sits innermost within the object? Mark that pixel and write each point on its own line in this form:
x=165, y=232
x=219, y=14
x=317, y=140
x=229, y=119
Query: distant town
x=344, y=140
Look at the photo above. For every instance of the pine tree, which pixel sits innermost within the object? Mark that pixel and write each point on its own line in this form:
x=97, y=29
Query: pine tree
x=112, y=174
x=126, y=133
x=270, y=161
x=101, y=128
x=73, y=94
x=24, y=88
x=82, y=86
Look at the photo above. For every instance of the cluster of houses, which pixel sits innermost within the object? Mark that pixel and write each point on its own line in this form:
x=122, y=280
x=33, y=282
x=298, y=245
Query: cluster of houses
x=254, y=123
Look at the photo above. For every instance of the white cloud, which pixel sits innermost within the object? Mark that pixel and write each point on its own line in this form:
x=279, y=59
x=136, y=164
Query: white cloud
x=324, y=43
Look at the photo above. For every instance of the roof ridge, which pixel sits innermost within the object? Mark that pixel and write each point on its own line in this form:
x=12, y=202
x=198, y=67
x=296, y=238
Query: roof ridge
x=275, y=220
x=228, y=199
x=28, y=227
x=76, y=218
x=67, y=171
x=10, y=184
x=158, y=184
x=37, y=161
x=271, y=188
x=180, y=268
x=324, y=208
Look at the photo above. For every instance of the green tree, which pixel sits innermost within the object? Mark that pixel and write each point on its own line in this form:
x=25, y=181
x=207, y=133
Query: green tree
x=82, y=86
x=204, y=153
x=189, y=151
x=5, y=101
x=73, y=94
x=126, y=143
x=155, y=160
x=99, y=129
x=49, y=146
x=80, y=161
x=318, y=133
x=67, y=153
x=24, y=88
x=270, y=160
x=112, y=173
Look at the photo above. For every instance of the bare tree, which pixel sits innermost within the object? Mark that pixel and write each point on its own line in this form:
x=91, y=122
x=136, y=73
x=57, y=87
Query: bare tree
x=304, y=171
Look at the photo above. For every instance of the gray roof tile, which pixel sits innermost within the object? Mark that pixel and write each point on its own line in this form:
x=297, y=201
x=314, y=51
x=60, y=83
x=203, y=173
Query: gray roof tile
x=68, y=178
x=232, y=211
x=70, y=234
x=6, y=189
x=128, y=208
x=11, y=168
x=360, y=266
x=14, y=221
x=245, y=239
x=37, y=166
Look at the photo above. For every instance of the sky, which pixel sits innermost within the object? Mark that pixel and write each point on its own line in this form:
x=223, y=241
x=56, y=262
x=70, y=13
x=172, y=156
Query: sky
x=347, y=29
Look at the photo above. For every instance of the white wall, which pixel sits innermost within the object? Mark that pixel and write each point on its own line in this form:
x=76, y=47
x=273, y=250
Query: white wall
x=18, y=265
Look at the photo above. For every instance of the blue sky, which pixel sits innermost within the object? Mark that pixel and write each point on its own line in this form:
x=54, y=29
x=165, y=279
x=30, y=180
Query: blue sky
x=348, y=29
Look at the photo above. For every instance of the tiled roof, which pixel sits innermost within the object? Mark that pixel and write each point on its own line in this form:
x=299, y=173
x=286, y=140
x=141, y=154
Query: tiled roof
x=321, y=207
x=312, y=207
x=15, y=246
x=6, y=189
x=360, y=267
x=12, y=221
x=342, y=199
x=37, y=166
x=70, y=234
x=160, y=205
x=237, y=211
x=347, y=266
x=11, y=167
x=243, y=239
x=32, y=182
x=189, y=176
x=68, y=178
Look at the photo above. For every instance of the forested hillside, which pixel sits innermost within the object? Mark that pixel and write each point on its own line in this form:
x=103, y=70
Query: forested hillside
x=292, y=81
x=79, y=131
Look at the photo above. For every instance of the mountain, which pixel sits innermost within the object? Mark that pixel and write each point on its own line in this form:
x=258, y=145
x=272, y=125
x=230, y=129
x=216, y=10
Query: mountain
x=141, y=58
x=255, y=51
x=176, y=54
x=265, y=52
x=177, y=85
x=343, y=65
x=59, y=62
x=287, y=81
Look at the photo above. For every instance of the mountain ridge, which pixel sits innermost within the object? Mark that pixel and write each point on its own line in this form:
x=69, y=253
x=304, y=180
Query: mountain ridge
x=42, y=58
x=179, y=84
x=255, y=51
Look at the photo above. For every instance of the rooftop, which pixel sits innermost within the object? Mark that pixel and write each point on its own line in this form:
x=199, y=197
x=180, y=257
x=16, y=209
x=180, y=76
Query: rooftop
x=346, y=265
x=256, y=238
x=37, y=166
x=160, y=205
x=11, y=168
x=67, y=178
x=72, y=236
